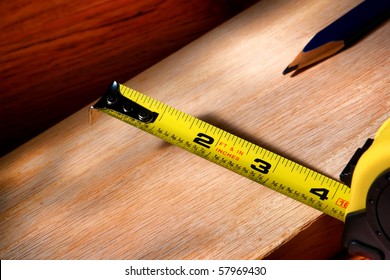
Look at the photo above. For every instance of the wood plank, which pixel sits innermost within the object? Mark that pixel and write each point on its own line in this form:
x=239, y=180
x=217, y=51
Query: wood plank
x=51, y=50
x=111, y=191
x=319, y=240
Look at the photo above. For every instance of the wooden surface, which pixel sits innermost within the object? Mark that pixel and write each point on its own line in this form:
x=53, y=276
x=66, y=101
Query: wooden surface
x=50, y=51
x=111, y=191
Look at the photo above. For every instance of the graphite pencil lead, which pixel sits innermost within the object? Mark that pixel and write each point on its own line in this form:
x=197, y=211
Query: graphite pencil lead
x=290, y=69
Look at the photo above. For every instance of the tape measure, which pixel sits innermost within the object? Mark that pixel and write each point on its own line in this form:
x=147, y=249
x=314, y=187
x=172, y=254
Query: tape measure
x=225, y=149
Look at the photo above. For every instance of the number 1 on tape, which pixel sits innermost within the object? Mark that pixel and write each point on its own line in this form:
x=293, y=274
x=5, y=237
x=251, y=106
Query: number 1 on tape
x=225, y=149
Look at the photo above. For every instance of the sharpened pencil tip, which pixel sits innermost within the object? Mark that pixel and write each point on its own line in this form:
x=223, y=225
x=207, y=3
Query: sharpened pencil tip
x=290, y=69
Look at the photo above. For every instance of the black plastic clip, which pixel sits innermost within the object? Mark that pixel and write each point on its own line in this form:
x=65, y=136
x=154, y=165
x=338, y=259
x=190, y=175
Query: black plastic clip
x=114, y=100
x=346, y=174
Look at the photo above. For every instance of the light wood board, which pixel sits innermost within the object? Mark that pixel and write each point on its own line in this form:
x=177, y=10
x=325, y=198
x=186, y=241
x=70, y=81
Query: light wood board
x=111, y=191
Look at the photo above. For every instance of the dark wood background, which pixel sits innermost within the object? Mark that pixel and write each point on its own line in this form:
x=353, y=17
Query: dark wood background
x=58, y=56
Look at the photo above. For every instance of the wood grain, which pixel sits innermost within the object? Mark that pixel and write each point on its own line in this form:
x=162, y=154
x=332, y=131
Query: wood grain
x=111, y=191
x=56, y=56
x=319, y=240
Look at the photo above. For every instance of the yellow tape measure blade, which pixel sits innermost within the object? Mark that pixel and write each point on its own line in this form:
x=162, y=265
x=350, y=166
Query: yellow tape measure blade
x=227, y=150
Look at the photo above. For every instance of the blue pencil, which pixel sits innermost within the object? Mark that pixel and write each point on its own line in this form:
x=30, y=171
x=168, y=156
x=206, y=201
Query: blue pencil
x=342, y=33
